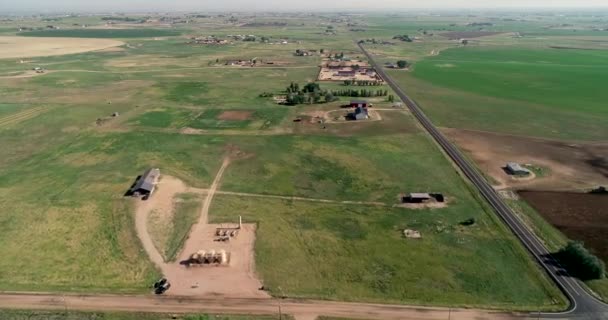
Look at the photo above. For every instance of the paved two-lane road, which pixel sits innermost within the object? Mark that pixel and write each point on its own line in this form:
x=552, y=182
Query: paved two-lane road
x=582, y=304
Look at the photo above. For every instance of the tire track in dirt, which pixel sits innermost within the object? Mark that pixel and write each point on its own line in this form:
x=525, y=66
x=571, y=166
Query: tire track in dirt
x=197, y=231
x=294, y=198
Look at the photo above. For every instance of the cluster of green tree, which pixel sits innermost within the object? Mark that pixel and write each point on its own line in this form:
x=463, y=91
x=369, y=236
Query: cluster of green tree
x=310, y=93
x=337, y=56
x=250, y=38
x=359, y=93
x=266, y=95
x=580, y=262
x=404, y=37
x=362, y=83
x=401, y=64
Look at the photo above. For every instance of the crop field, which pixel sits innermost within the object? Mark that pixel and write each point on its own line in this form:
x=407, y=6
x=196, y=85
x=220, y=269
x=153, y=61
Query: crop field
x=101, y=33
x=76, y=136
x=546, y=93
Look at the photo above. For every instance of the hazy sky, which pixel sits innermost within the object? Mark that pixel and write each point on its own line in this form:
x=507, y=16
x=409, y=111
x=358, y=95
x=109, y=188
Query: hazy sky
x=280, y=5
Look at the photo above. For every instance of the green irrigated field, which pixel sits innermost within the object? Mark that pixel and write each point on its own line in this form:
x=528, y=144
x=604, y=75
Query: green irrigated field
x=102, y=33
x=549, y=93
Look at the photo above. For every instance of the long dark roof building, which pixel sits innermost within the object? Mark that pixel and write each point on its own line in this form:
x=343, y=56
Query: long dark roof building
x=146, y=183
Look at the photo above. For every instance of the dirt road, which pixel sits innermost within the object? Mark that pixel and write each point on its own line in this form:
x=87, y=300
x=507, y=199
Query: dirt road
x=302, y=309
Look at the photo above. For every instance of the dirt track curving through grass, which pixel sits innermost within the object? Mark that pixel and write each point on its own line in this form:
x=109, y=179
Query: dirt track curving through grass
x=198, y=230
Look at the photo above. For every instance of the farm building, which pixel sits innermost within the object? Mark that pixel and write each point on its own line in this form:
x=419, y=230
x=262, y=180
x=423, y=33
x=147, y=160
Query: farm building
x=361, y=113
x=304, y=53
x=416, y=197
x=516, y=169
x=345, y=73
x=146, y=183
x=359, y=103
x=422, y=197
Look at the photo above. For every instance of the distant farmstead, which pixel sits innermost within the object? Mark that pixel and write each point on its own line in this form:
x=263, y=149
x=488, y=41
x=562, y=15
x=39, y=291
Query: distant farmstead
x=516, y=169
x=146, y=183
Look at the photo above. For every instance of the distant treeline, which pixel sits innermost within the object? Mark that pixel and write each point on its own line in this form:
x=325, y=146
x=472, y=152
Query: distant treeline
x=362, y=83
x=359, y=93
x=126, y=19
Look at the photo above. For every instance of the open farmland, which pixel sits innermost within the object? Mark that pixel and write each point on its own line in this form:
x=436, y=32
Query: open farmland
x=323, y=196
x=101, y=33
x=22, y=47
x=533, y=95
x=546, y=93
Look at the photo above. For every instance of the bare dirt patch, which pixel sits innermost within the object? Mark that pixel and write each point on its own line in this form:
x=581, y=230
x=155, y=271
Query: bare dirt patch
x=235, y=115
x=469, y=34
x=19, y=47
x=332, y=122
x=579, y=216
x=571, y=165
x=237, y=279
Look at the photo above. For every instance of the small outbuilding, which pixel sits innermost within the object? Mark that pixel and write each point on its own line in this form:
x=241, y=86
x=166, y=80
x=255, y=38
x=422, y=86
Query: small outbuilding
x=416, y=197
x=359, y=103
x=346, y=73
x=516, y=169
x=146, y=183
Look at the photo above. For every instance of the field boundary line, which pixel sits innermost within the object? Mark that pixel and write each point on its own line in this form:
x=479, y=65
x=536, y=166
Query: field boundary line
x=294, y=198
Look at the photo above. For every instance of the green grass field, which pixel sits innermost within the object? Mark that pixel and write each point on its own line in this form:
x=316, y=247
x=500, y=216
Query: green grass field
x=548, y=93
x=357, y=253
x=186, y=213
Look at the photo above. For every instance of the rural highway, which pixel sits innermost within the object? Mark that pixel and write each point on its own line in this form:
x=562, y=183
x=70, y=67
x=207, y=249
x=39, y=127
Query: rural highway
x=583, y=305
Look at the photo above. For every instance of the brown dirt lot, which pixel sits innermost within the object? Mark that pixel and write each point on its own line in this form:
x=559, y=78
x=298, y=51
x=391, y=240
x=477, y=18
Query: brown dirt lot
x=237, y=279
x=468, y=34
x=235, y=115
x=387, y=121
x=571, y=165
x=579, y=216
x=20, y=47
